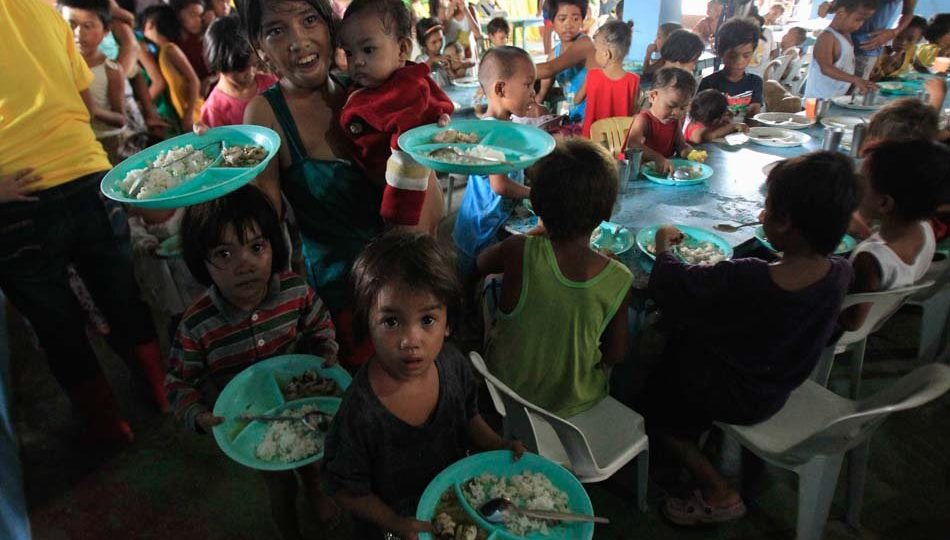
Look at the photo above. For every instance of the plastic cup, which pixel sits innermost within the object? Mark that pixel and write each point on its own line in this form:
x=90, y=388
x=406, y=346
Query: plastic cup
x=811, y=108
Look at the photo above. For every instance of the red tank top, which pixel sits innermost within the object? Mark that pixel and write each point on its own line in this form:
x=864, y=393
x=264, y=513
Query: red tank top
x=662, y=136
x=607, y=98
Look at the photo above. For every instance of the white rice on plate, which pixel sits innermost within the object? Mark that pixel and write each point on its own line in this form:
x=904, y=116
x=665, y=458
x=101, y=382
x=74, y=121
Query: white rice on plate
x=292, y=440
x=474, y=155
x=170, y=168
x=527, y=490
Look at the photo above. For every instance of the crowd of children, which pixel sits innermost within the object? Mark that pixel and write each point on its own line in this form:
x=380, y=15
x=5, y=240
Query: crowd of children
x=337, y=83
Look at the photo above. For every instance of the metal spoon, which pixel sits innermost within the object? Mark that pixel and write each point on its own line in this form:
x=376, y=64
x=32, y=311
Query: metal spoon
x=725, y=227
x=493, y=510
x=680, y=174
x=315, y=421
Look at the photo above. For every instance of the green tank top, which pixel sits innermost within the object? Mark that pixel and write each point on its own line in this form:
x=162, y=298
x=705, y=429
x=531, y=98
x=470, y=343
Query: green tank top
x=548, y=348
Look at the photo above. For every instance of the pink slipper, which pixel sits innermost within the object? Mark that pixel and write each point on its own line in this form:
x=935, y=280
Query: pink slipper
x=694, y=510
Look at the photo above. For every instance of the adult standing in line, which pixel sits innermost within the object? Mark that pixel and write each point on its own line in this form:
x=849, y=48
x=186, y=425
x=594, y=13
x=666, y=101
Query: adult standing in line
x=53, y=215
x=870, y=39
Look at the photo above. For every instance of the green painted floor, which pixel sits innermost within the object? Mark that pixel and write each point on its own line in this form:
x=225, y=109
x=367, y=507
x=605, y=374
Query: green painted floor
x=175, y=484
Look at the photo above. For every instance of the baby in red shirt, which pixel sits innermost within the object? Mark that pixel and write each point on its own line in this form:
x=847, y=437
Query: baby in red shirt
x=391, y=95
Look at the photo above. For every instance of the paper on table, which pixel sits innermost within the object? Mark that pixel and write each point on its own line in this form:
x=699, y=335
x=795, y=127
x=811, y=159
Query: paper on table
x=735, y=139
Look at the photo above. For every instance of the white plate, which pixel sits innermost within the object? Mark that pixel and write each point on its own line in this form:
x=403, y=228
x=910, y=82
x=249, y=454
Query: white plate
x=858, y=104
x=783, y=120
x=466, y=82
x=777, y=137
x=846, y=123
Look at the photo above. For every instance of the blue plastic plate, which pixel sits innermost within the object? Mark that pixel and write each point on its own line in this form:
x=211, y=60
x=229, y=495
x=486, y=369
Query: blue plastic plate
x=603, y=238
x=845, y=246
x=257, y=391
x=522, y=145
x=899, y=88
x=500, y=463
x=212, y=183
x=706, y=173
x=647, y=235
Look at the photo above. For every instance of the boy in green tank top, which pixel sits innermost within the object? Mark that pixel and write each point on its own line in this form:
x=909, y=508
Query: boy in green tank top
x=562, y=315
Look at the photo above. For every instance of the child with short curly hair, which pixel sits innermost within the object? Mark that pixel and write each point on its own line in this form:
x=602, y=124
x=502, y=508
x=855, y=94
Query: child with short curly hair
x=736, y=41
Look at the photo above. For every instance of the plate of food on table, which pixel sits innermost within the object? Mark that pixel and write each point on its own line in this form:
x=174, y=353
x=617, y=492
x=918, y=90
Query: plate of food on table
x=777, y=137
x=845, y=246
x=191, y=169
x=277, y=412
x=684, y=173
x=477, y=146
x=699, y=246
x=783, y=120
x=466, y=500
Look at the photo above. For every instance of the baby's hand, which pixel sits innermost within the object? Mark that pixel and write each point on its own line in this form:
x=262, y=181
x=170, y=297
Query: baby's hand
x=651, y=48
x=740, y=127
x=408, y=528
x=517, y=449
x=444, y=120
x=663, y=165
x=667, y=236
x=207, y=420
x=16, y=187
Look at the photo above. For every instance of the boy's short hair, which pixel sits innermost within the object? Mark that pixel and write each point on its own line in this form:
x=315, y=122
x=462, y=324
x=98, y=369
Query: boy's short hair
x=682, y=46
x=574, y=188
x=252, y=13
x=227, y=48
x=938, y=27
x=178, y=5
x=499, y=24
x=99, y=7
x=917, y=22
x=617, y=35
x=165, y=21
x=203, y=227
x=550, y=7
x=853, y=5
x=393, y=14
x=500, y=64
x=425, y=27
x=413, y=260
x=668, y=28
x=816, y=193
x=675, y=78
x=708, y=106
x=913, y=173
x=904, y=119
x=801, y=32
x=736, y=33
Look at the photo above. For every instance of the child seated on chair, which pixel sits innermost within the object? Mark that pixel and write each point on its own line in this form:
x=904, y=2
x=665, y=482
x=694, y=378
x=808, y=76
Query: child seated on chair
x=831, y=72
x=391, y=97
x=412, y=410
x=562, y=314
x=654, y=61
x=429, y=35
x=458, y=66
x=735, y=44
x=710, y=118
x=507, y=75
x=253, y=310
x=744, y=333
x=610, y=91
x=905, y=181
x=657, y=129
x=898, y=57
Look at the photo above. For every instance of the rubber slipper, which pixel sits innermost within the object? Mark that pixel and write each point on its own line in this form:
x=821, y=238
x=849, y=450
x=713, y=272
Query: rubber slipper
x=694, y=510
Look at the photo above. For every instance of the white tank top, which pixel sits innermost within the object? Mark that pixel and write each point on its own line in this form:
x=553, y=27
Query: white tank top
x=895, y=273
x=820, y=85
x=99, y=90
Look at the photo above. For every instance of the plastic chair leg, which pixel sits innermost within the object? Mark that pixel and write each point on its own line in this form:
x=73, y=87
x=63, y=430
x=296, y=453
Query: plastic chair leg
x=857, y=471
x=822, y=370
x=857, y=366
x=643, y=474
x=816, y=489
x=933, y=326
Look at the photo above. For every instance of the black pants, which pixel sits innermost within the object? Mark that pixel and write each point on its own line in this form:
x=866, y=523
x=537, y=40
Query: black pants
x=72, y=224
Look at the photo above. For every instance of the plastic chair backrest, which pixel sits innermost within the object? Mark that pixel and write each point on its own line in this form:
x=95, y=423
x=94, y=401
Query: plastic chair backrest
x=611, y=132
x=917, y=388
x=793, y=71
x=519, y=418
x=883, y=305
x=775, y=66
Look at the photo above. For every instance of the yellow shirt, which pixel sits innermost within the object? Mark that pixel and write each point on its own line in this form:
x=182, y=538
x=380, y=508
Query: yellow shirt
x=44, y=123
x=177, y=85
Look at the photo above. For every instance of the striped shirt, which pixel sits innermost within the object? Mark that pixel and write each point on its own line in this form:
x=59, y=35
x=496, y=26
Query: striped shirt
x=215, y=340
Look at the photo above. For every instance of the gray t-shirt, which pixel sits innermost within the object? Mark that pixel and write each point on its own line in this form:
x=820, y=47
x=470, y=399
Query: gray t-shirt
x=369, y=450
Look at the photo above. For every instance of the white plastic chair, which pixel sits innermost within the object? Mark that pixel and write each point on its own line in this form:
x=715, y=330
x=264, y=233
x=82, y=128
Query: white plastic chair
x=776, y=68
x=593, y=444
x=815, y=428
x=883, y=305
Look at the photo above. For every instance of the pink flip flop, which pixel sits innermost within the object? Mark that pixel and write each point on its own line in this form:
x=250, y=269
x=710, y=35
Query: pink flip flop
x=694, y=510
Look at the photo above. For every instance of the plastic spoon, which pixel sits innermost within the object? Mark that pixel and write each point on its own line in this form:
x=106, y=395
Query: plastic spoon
x=493, y=512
